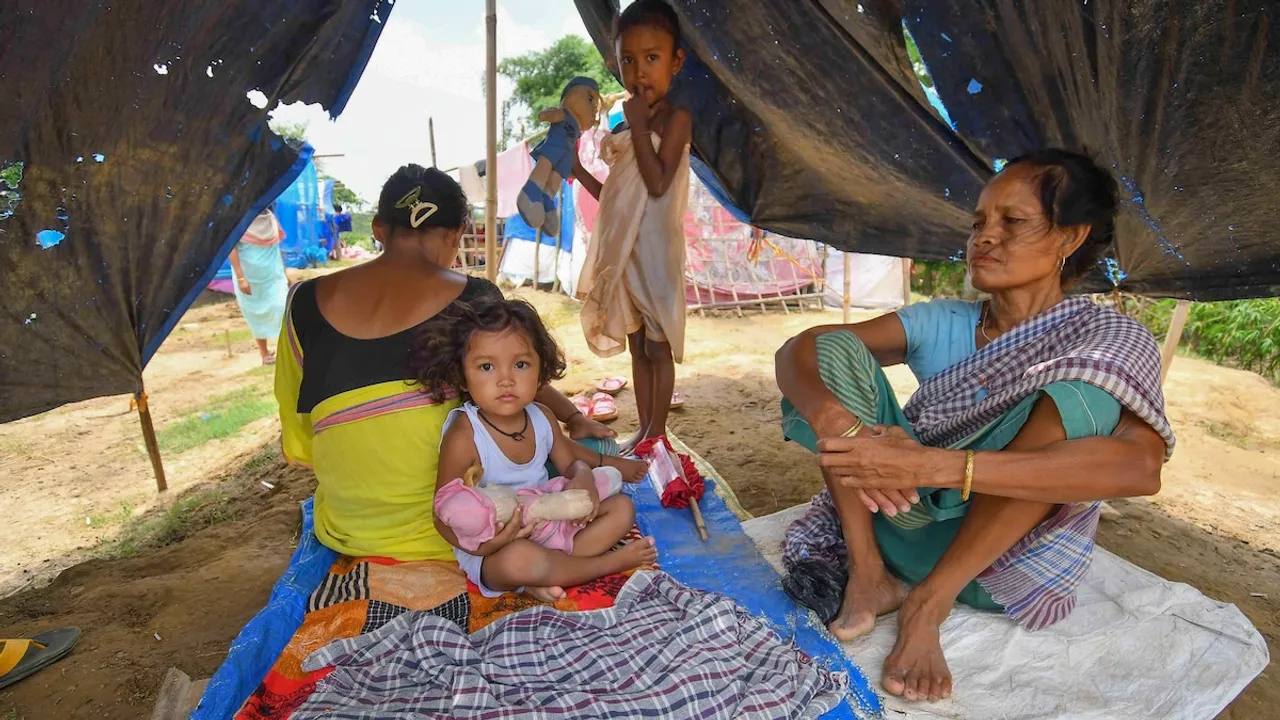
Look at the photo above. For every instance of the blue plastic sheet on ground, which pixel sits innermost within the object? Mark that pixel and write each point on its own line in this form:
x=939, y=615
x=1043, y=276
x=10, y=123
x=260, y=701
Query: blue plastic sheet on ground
x=260, y=643
x=728, y=562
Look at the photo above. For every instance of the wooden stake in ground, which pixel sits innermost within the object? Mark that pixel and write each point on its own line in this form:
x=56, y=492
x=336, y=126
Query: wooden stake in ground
x=149, y=437
x=491, y=133
x=1173, y=337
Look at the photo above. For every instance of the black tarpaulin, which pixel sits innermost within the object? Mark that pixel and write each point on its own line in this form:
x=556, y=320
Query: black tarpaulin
x=807, y=114
x=142, y=161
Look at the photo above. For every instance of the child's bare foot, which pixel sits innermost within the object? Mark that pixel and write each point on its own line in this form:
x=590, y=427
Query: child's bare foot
x=545, y=594
x=634, y=554
x=629, y=447
x=633, y=471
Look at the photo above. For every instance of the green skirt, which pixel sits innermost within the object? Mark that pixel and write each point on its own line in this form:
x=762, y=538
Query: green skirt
x=912, y=543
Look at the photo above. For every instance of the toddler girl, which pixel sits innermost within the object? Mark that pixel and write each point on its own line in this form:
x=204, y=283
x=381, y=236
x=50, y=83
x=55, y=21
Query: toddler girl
x=497, y=353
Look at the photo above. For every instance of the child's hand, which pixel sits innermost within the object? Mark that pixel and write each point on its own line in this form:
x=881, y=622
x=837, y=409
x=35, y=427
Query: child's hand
x=508, y=532
x=244, y=286
x=636, y=111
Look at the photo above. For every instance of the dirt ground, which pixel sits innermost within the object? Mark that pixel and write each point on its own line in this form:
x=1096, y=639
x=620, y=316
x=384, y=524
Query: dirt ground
x=75, y=477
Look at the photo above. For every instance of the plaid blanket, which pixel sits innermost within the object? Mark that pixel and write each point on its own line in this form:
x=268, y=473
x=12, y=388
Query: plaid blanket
x=1036, y=580
x=362, y=595
x=1074, y=340
x=662, y=650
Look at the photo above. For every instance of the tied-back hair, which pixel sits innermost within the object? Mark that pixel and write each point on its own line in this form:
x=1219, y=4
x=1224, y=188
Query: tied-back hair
x=418, y=198
x=1074, y=190
x=437, y=356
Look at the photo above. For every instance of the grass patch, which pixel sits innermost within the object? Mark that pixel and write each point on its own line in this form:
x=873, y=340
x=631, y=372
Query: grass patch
x=119, y=515
x=202, y=508
x=223, y=417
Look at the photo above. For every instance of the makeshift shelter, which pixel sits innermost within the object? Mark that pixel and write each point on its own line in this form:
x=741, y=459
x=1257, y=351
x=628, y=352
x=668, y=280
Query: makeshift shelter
x=141, y=166
x=811, y=120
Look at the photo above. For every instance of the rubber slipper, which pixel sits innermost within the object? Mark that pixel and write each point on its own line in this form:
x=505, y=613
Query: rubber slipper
x=677, y=400
x=612, y=385
x=20, y=659
x=603, y=407
x=583, y=405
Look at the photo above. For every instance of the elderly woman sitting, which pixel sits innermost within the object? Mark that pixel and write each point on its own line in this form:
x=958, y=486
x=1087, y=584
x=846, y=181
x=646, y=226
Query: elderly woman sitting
x=985, y=488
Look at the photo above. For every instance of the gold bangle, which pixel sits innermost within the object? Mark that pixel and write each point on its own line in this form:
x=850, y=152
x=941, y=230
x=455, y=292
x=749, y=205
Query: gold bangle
x=853, y=430
x=968, y=475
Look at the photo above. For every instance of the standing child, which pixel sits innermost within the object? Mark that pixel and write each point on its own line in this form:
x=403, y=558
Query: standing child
x=498, y=353
x=632, y=285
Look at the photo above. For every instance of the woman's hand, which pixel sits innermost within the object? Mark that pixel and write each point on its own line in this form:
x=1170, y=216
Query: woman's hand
x=245, y=288
x=886, y=465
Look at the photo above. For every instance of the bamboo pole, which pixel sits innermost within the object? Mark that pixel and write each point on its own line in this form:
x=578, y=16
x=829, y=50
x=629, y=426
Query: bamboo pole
x=491, y=132
x=431, y=132
x=848, y=286
x=149, y=437
x=1171, y=339
x=906, y=281
x=537, y=257
x=555, y=263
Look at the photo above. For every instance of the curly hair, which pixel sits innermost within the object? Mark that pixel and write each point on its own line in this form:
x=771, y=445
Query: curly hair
x=437, y=355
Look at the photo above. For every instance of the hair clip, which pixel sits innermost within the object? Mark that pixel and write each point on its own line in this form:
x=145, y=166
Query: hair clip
x=416, y=206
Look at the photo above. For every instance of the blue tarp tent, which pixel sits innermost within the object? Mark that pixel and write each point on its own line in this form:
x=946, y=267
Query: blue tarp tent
x=302, y=220
x=519, y=255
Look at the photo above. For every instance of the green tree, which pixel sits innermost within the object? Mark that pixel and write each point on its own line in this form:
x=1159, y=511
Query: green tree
x=290, y=131
x=346, y=197
x=539, y=77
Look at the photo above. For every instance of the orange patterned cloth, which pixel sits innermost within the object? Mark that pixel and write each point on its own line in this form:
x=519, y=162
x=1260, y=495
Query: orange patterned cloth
x=363, y=594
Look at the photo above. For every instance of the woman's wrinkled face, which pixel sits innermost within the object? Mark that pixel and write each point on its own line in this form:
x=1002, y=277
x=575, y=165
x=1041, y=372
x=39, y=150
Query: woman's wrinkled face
x=1013, y=244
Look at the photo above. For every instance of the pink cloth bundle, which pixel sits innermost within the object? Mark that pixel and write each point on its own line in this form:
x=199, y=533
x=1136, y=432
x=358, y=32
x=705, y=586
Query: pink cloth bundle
x=473, y=515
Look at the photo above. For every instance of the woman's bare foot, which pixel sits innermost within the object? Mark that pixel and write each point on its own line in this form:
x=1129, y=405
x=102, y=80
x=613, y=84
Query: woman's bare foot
x=545, y=594
x=867, y=596
x=629, y=446
x=633, y=471
x=916, y=668
x=634, y=554
x=581, y=427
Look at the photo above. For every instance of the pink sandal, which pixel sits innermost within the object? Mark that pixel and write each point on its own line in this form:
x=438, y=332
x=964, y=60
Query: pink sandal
x=612, y=385
x=603, y=407
x=677, y=400
x=583, y=405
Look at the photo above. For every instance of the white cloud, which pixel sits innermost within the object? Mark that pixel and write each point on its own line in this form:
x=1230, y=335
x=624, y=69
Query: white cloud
x=412, y=76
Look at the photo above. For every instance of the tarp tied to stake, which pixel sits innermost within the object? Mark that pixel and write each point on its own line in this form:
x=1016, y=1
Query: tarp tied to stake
x=808, y=115
x=141, y=159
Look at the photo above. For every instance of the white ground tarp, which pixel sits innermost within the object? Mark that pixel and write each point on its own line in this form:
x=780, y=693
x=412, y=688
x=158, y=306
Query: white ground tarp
x=1137, y=646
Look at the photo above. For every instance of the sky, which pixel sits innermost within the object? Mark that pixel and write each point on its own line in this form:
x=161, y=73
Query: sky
x=429, y=63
